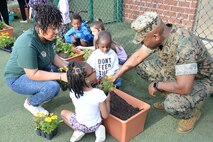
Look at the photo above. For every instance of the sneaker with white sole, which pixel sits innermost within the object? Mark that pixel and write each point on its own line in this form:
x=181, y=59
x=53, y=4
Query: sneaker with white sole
x=23, y=21
x=76, y=136
x=100, y=134
x=35, y=109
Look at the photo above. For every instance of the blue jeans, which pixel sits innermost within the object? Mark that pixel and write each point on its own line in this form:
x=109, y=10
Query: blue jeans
x=40, y=91
x=121, y=62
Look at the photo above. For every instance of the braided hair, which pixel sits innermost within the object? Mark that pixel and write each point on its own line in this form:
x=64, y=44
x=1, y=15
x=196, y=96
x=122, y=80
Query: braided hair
x=47, y=15
x=76, y=75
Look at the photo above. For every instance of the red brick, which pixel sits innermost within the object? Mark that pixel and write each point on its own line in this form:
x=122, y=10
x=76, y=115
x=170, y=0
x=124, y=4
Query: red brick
x=193, y=5
x=190, y=11
x=191, y=17
x=184, y=4
x=179, y=9
x=182, y=16
x=170, y=2
x=169, y=13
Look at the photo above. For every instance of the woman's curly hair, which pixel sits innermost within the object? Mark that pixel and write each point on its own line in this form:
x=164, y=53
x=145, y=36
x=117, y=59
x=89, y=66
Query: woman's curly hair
x=47, y=15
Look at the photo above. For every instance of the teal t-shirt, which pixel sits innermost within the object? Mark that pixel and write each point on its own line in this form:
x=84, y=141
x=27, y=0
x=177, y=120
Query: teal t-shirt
x=30, y=53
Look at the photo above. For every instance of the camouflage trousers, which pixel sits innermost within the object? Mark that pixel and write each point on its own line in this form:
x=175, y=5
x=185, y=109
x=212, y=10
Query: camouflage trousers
x=178, y=106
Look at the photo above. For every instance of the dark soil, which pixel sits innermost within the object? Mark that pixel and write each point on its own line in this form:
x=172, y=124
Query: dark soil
x=64, y=55
x=120, y=108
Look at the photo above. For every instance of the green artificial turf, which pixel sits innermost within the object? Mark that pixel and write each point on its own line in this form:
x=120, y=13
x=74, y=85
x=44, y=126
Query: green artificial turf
x=16, y=123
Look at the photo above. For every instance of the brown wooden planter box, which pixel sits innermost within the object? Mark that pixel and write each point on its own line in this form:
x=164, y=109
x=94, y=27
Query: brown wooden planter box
x=8, y=30
x=77, y=58
x=122, y=130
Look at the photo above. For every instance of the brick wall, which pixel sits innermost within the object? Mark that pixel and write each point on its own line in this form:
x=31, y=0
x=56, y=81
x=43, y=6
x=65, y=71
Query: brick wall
x=179, y=12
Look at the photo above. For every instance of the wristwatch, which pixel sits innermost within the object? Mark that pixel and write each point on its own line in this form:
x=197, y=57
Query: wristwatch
x=155, y=85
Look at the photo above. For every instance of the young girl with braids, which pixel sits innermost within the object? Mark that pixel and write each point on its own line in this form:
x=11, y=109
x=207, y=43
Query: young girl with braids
x=91, y=104
x=97, y=27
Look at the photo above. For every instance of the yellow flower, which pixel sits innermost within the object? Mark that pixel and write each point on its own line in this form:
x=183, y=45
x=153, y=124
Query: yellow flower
x=65, y=68
x=48, y=119
x=109, y=77
x=51, y=114
x=54, y=117
x=40, y=114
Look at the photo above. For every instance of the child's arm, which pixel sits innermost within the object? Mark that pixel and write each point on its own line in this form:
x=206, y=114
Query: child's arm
x=85, y=34
x=105, y=107
x=68, y=36
x=88, y=47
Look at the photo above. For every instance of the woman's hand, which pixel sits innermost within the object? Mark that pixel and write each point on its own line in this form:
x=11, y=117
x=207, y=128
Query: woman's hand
x=151, y=89
x=63, y=77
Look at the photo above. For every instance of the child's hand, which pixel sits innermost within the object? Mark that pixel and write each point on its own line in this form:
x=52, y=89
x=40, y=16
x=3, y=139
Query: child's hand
x=108, y=98
x=80, y=47
x=112, y=79
x=73, y=36
x=78, y=35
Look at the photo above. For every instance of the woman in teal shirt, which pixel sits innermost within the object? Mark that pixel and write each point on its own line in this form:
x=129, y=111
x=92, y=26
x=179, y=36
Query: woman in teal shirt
x=28, y=70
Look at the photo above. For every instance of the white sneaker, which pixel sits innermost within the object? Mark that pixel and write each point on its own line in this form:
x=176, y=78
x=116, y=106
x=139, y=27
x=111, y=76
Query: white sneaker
x=76, y=136
x=23, y=21
x=100, y=134
x=35, y=109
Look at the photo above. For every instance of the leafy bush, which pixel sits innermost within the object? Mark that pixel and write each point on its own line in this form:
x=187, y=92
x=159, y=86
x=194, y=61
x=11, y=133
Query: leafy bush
x=1, y=25
x=64, y=47
x=87, y=53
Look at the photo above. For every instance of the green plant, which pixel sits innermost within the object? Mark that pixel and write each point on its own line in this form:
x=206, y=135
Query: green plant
x=46, y=123
x=106, y=85
x=87, y=53
x=6, y=40
x=64, y=47
x=63, y=85
x=1, y=25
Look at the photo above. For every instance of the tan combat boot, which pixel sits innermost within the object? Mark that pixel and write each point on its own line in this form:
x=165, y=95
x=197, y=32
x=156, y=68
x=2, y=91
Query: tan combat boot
x=187, y=125
x=158, y=106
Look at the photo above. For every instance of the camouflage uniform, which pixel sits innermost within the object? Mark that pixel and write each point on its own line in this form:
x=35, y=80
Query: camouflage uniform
x=182, y=53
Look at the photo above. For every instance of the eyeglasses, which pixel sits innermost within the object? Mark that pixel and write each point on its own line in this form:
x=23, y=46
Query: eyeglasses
x=93, y=71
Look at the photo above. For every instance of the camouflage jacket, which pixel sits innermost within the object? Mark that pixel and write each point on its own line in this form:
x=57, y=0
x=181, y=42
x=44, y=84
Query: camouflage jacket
x=184, y=53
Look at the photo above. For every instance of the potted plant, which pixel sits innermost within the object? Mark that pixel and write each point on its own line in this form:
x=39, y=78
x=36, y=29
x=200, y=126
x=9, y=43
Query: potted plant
x=105, y=85
x=6, y=42
x=67, y=52
x=125, y=130
x=4, y=28
x=87, y=53
x=46, y=126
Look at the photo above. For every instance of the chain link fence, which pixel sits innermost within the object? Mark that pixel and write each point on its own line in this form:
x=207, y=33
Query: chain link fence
x=195, y=15
x=203, y=26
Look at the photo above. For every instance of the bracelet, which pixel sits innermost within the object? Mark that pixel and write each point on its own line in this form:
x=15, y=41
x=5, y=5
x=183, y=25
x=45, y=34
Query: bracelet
x=155, y=85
